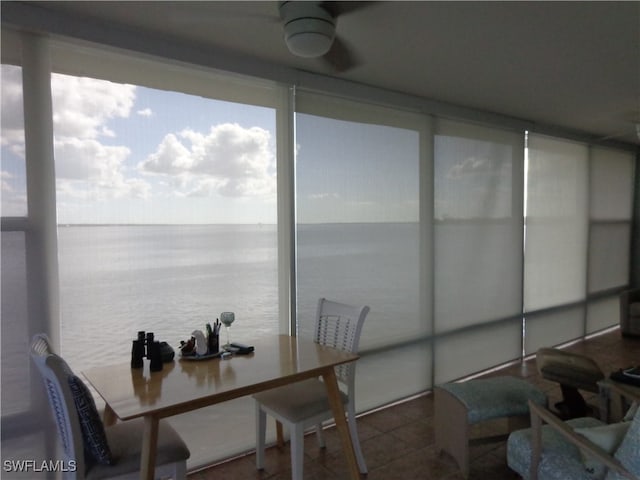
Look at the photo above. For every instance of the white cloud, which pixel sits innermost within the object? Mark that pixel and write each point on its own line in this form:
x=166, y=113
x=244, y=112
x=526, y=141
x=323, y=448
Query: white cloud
x=11, y=108
x=14, y=200
x=228, y=160
x=12, y=188
x=170, y=158
x=82, y=106
x=107, y=132
x=85, y=167
x=145, y=112
x=4, y=182
x=470, y=165
x=87, y=159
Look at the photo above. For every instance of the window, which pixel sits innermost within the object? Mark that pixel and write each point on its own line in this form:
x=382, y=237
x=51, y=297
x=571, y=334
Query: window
x=14, y=181
x=166, y=207
x=556, y=241
x=358, y=237
x=15, y=332
x=611, y=201
x=23, y=435
x=477, y=248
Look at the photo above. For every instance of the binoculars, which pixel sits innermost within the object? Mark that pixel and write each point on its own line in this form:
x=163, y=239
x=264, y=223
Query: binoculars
x=146, y=347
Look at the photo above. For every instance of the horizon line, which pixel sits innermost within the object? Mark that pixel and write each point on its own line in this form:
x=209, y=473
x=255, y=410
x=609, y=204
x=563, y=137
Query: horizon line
x=211, y=224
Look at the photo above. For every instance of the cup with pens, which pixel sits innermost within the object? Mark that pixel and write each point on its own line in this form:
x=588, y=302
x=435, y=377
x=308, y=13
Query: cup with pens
x=213, y=337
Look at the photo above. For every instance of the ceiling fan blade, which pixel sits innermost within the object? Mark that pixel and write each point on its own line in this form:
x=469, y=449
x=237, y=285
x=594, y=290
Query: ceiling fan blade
x=341, y=8
x=340, y=57
x=202, y=12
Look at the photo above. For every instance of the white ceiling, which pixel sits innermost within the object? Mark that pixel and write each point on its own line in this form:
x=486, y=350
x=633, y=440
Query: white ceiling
x=573, y=65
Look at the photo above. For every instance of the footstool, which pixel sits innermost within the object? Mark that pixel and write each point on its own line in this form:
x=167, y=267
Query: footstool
x=460, y=405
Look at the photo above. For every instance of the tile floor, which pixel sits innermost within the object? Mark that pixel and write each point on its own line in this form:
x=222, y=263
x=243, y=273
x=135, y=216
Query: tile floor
x=398, y=441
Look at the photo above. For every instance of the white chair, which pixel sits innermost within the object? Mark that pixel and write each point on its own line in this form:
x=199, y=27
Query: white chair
x=72, y=405
x=305, y=404
x=41, y=345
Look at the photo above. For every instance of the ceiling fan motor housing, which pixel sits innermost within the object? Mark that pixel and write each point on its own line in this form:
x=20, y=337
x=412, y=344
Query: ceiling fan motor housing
x=309, y=29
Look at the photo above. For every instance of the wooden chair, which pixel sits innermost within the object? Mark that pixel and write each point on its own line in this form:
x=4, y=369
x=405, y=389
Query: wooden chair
x=305, y=404
x=80, y=428
x=553, y=451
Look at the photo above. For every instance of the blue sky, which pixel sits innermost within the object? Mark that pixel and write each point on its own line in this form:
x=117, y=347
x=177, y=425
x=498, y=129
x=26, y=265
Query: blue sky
x=355, y=172
x=130, y=154
x=117, y=146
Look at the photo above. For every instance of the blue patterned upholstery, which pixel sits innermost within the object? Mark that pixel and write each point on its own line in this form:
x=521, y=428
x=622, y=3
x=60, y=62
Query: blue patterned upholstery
x=496, y=397
x=95, y=438
x=560, y=460
x=628, y=452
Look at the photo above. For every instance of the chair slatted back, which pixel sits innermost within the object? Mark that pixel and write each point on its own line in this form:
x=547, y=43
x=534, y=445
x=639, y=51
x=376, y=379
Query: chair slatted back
x=55, y=373
x=339, y=326
x=41, y=345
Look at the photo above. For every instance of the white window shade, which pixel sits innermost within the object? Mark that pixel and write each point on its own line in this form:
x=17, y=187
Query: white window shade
x=611, y=200
x=603, y=313
x=611, y=205
x=609, y=256
x=358, y=236
x=555, y=241
x=556, y=223
x=611, y=185
x=550, y=328
x=340, y=108
x=478, y=247
x=125, y=67
x=16, y=365
x=399, y=373
x=190, y=125
x=467, y=352
x=555, y=267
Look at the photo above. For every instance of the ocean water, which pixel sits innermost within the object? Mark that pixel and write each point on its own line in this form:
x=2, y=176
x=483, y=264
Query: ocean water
x=172, y=279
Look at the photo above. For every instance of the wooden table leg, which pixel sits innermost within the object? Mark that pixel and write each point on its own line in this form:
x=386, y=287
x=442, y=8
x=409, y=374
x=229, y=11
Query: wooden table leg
x=149, y=448
x=109, y=417
x=329, y=377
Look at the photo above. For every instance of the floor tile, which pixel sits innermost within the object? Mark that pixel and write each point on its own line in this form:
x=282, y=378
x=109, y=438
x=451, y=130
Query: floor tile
x=398, y=442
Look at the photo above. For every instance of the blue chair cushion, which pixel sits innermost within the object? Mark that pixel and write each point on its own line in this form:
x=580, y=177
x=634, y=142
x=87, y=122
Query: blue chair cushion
x=560, y=459
x=495, y=397
x=95, y=439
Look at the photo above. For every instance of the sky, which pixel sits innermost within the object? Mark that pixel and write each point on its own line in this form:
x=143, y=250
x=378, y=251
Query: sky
x=131, y=154
x=127, y=154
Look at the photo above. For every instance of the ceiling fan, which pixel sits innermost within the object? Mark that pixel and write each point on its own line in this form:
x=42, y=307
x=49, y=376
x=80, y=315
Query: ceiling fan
x=309, y=27
x=310, y=31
